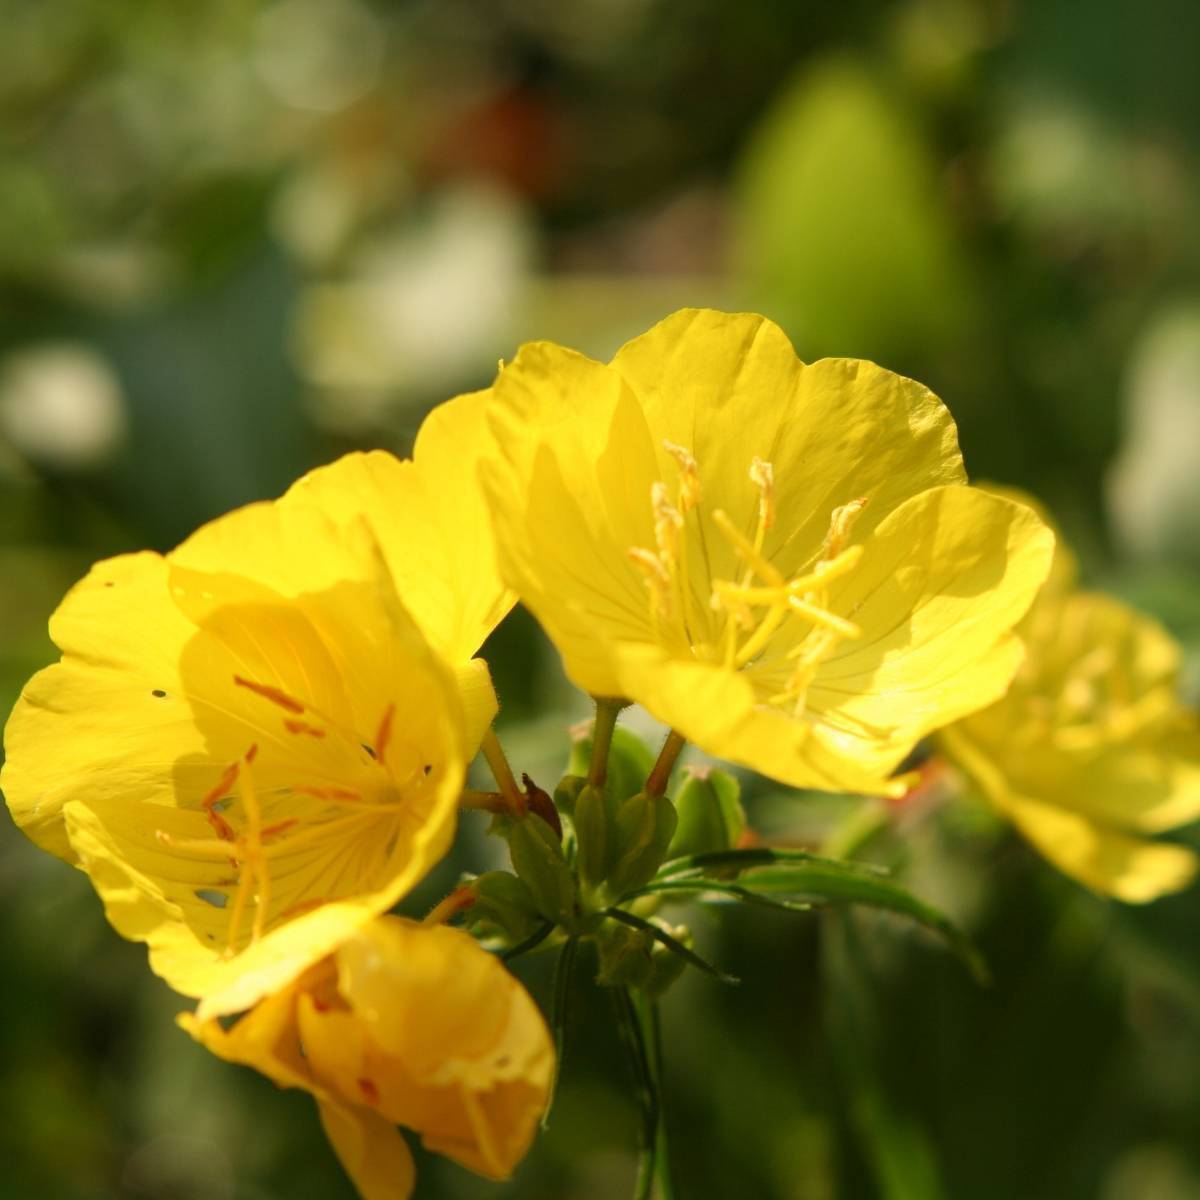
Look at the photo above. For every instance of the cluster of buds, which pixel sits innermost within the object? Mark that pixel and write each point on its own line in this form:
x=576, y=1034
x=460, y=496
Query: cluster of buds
x=616, y=827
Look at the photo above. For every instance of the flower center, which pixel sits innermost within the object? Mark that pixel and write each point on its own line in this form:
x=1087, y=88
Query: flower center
x=252, y=844
x=761, y=608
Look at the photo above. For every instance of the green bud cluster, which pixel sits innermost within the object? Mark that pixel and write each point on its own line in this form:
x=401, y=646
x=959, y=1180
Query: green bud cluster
x=616, y=836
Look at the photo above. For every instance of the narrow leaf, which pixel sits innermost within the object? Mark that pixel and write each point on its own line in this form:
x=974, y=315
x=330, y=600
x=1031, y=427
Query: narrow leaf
x=535, y=939
x=558, y=1019
x=672, y=944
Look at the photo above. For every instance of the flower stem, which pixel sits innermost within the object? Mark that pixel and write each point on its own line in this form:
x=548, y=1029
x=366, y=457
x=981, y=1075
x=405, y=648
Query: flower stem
x=656, y=784
x=602, y=735
x=505, y=780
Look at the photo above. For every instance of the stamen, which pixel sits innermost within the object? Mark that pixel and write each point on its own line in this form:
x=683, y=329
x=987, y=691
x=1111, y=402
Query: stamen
x=294, y=726
x=383, y=733
x=762, y=475
x=751, y=556
x=668, y=521
x=658, y=580
x=214, y=797
x=840, y=526
x=274, y=694
x=689, y=475
x=818, y=616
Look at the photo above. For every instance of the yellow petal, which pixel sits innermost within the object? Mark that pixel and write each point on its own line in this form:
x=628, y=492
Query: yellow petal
x=729, y=387
x=265, y=1039
x=570, y=494
x=169, y=676
x=96, y=720
x=1132, y=869
x=941, y=582
x=431, y=520
x=464, y=1058
x=372, y=1151
x=1094, y=852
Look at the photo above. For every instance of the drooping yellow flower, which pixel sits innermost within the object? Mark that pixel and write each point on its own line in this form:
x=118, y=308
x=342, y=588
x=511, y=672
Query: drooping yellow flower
x=249, y=744
x=781, y=561
x=1091, y=750
x=403, y=1025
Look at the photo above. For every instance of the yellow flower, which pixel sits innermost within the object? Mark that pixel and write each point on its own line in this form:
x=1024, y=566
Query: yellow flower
x=404, y=1024
x=1091, y=749
x=781, y=561
x=249, y=744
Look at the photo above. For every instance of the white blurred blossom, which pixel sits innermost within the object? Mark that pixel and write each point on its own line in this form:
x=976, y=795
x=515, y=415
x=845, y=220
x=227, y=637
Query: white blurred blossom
x=61, y=405
x=422, y=311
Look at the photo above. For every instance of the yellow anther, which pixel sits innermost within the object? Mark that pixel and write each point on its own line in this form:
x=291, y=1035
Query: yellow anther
x=657, y=577
x=689, y=475
x=762, y=474
x=668, y=522
x=840, y=526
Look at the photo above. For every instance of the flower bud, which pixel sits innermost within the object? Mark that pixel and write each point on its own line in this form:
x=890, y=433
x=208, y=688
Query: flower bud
x=567, y=793
x=503, y=905
x=625, y=955
x=644, y=825
x=710, y=813
x=594, y=834
x=537, y=857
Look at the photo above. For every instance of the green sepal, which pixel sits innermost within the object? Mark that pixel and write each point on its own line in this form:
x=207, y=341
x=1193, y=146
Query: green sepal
x=567, y=792
x=644, y=827
x=537, y=857
x=710, y=811
x=595, y=834
x=503, y=905
x=630, y=761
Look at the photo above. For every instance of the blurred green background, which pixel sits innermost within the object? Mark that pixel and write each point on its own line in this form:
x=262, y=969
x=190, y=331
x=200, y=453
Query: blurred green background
x=238, y=238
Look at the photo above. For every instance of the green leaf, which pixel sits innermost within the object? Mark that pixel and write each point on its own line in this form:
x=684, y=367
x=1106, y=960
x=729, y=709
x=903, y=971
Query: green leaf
x=793, y=875
x=558, y=1018
x=675, y=946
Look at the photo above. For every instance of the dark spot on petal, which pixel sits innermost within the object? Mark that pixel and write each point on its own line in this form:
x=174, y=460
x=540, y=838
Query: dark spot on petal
x=368, y=749
x=108, y=583
x=216, y=899
x=158, y=692
x=428, y=768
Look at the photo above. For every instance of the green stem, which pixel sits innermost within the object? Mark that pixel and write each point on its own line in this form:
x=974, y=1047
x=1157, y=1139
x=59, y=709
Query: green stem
x=656, y=784
x=505, y=780
x=602, y=735
x=651, y=1021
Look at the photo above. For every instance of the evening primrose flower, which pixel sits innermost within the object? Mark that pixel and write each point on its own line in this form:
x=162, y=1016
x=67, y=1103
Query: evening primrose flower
x=1091, y=750
x=781, y=561
x=250, y=744
x=403, y=1024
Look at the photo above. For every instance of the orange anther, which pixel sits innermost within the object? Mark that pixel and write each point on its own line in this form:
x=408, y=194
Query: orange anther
x=294, y=726
x=221, y=827
x=274, y=694
x=325, y=793
x=384, y=733
x=279, y=827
